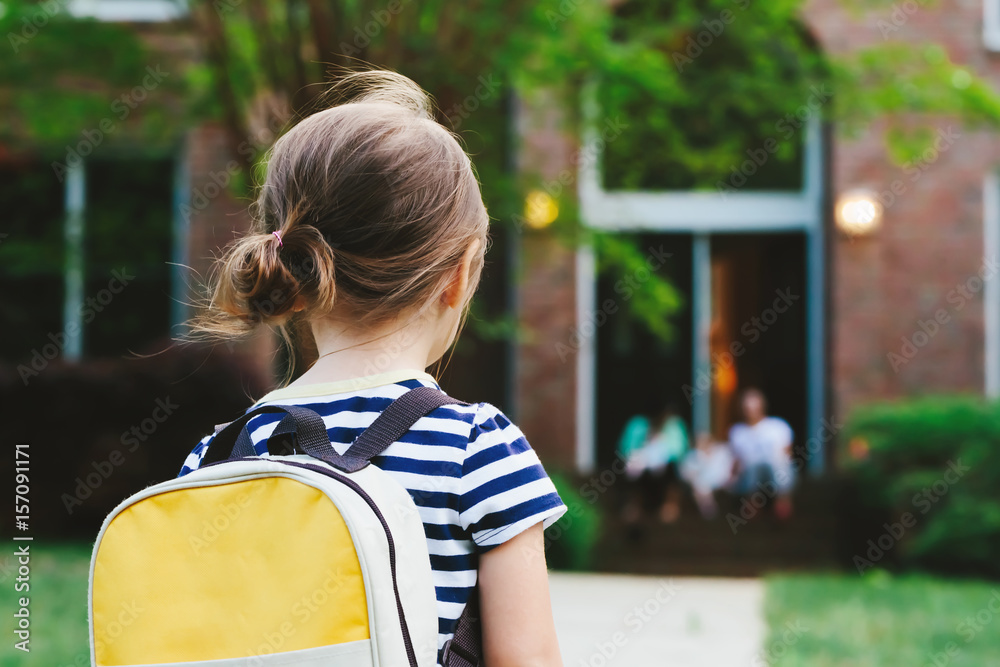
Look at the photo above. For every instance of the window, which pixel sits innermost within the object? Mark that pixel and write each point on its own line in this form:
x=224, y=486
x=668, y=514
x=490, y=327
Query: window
x=991, y=24
x=107, y=274
x=714, y=122
x=144, y=11
x=127, y=250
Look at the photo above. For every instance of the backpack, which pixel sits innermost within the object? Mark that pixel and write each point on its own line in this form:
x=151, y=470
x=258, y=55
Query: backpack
x=305, y=557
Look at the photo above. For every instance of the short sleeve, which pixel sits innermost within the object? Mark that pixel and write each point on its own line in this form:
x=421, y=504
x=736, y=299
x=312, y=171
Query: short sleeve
x=504, y=488
x=785, y=434
x=735, y=441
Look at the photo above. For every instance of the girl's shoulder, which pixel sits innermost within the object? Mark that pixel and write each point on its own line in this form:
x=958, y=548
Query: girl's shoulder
x=479, y=428
x=492, y=436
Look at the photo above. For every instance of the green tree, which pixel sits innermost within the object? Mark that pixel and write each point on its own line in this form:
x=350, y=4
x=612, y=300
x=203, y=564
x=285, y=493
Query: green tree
x=697, y=82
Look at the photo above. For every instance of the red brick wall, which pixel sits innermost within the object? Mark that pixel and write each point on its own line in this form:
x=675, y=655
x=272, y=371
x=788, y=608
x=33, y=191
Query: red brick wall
x=545, y=399
x=930, y=242
x=215, y=214
x=215, y=218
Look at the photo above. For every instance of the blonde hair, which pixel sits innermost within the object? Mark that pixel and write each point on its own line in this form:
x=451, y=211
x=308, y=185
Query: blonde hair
x=375, y=205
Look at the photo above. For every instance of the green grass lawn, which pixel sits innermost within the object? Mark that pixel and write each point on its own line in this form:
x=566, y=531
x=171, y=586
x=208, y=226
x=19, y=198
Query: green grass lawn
x=879, y=620
x=58, y=607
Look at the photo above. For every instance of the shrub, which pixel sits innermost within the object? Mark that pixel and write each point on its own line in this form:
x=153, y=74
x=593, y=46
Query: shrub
x=937, y=459
x=102, y=429
x=570, y=542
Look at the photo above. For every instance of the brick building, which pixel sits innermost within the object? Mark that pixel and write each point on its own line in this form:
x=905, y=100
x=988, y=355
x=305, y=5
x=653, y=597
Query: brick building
x=902, y=311
x=776, y=296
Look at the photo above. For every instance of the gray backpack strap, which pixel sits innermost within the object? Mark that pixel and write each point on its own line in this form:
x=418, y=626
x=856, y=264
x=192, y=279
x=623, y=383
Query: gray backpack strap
x=394, y=422
x=464, y=649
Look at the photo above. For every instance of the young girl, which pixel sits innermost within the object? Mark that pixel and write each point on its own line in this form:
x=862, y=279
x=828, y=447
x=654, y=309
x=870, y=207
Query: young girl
x=368, y=245
x=707, y=468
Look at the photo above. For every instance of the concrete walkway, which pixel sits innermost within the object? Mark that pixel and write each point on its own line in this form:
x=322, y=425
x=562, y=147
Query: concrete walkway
x=608, y=620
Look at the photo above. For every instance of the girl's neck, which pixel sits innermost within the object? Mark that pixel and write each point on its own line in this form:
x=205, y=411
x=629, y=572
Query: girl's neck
x=346, y=355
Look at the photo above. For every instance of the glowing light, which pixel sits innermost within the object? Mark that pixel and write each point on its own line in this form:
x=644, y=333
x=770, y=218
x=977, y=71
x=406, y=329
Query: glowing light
x=858, y=449
x=540, y=209
x=859, y=213
x=726, y=380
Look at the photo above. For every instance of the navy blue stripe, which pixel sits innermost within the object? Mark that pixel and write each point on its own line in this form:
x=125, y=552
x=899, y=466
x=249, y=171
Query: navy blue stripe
x=446, y=626
x=452, y=594
x=456, y=563
x=494, y=453
x=429, y=468
x=445, y=531
x=496, y=486
x=516, y=513
x=435, y=499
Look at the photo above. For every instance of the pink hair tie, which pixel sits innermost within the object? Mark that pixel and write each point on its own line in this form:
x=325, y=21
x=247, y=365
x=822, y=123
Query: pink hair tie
x=277, y=235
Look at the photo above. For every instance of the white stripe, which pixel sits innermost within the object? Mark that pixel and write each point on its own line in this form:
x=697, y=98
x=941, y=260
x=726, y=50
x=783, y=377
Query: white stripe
x=450, y=610
x=504, y=466
x=449, y=547
x=438, y=516
x=417, y=482
x=506, y=500
x=427, y=453
x=456, y=579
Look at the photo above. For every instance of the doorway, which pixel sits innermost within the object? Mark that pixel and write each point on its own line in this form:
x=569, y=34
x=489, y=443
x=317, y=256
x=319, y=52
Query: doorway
x=758, y=327
x=636, y=371
x=757, y=337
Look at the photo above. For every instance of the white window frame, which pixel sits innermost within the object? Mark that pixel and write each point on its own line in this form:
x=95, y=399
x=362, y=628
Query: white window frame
x=991, y=24
x=129, y=11
x=991, y=290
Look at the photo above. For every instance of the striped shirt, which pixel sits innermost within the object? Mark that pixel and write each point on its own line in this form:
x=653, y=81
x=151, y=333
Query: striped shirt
x=471, y=473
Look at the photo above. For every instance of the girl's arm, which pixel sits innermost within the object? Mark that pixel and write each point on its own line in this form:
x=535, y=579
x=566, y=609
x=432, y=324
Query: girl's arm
x=518, y=630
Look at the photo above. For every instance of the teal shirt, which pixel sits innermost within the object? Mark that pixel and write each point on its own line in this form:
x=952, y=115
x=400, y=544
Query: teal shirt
x=633, y=436
x=671, y=441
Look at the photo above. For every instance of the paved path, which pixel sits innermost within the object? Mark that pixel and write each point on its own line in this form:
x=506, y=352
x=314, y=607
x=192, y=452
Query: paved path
x=632, y=621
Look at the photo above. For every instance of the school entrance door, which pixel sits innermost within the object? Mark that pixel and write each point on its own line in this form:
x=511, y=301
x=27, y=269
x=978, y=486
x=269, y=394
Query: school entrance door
x=756, y=337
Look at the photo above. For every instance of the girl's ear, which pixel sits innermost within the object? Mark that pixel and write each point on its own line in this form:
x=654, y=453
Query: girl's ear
x=454, y=294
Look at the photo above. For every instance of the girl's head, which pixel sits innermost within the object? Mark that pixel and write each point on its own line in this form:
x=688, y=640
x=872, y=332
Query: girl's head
x=704, y=441
x=378, y=217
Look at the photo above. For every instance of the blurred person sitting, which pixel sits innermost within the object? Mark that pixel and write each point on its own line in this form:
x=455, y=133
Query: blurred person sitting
x=762, y=448
x=668, y=442
x=630, y=449
x=633, y=438
x=707, y=468
x=652, y=451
